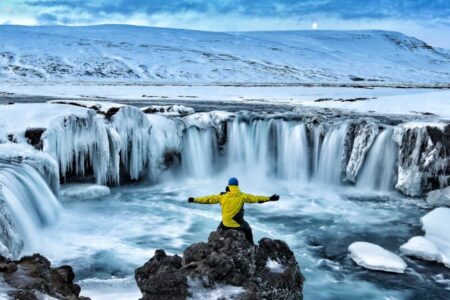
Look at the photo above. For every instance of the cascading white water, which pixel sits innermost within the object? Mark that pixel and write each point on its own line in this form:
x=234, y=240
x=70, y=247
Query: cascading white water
x=199, y=152
x=248, y=147
x=330, y=155
x=379, y=167
x=287, y=150
x=293, y=160
x=28, y=200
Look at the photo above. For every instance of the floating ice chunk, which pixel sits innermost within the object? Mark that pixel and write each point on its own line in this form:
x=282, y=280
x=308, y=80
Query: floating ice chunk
x=435, y=245
x=420, y=247
x=436, y=225
x=85, y=191
x=439, y=197
x=374, y=257
x=175, y=110
x=275, y=266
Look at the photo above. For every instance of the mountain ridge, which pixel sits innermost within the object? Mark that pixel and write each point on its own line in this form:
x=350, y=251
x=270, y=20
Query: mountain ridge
x=151, y=55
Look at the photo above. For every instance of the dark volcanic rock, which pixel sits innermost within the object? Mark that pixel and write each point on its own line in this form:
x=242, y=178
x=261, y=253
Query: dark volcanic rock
x=160, y=278
x=32, y=275
x=226, y=259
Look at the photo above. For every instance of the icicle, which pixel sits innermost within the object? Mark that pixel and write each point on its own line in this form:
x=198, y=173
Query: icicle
x=76, y=141
x=133, y=128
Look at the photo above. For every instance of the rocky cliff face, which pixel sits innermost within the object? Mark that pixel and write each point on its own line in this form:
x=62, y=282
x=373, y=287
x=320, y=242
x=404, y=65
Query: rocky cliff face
x=32, y=277
x=424, y=160
x=266, y=271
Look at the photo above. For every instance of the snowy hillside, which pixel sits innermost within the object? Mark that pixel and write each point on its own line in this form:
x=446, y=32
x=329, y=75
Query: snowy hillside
x=128, y=54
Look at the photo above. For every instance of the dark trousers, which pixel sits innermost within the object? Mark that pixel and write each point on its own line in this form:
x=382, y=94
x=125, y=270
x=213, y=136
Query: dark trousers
x=245, y=227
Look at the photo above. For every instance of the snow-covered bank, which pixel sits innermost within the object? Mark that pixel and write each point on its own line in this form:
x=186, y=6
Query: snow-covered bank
x=411, y=101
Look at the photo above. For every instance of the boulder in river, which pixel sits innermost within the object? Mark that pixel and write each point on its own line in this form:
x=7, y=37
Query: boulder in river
x=31, y=277
x=268, y=270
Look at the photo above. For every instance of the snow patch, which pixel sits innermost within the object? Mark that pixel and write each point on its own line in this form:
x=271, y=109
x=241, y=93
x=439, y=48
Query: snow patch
x=100, y=106
x=275, y=266
x=374, y=257
x=85, y=191
x=171, y=110
x=207, y=119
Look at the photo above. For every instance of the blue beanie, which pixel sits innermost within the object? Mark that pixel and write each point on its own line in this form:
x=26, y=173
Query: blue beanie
x=233, y=181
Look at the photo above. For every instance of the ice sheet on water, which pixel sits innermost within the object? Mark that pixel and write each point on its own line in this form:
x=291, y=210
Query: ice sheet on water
x=435, y=245
x=374, y=257
x=85, y=191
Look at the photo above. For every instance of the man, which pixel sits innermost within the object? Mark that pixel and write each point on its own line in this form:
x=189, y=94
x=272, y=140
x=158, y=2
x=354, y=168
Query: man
x=232, y=203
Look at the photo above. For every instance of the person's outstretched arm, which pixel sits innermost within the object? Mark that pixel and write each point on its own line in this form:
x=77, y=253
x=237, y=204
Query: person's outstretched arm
x=248, y=198
x=211, y=199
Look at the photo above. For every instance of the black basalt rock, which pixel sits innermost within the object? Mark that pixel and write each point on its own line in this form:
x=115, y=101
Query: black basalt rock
x=268, y=270
x=33, y=275
x=161, y=279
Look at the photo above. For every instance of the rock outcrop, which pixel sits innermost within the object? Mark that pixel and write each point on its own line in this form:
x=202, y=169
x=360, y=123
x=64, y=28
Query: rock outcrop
x=424, y=161
x=32, y=276
x=266, y=271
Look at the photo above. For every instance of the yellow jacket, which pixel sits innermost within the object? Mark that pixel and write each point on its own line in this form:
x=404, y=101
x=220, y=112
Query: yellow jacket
x=232, y=204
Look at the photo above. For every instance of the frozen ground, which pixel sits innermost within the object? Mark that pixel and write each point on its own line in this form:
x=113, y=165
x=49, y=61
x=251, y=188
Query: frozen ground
x=381, y=100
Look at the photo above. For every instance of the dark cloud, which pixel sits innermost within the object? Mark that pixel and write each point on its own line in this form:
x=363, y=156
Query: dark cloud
x=47, y=19
x=345, y=9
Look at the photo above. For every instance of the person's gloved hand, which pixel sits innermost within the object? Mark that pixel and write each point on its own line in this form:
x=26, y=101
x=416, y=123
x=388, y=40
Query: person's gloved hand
x=274, y=197
x=190, y=199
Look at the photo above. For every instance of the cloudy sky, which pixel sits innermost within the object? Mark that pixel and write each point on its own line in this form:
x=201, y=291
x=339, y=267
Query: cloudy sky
x=426, y=19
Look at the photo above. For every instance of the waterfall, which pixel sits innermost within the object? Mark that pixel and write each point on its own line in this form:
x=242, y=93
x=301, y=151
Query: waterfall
x=330, y=155
x=199, y=152
x=294, y=159
x=248, y=147
x=28, y=201
x=378, y=171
